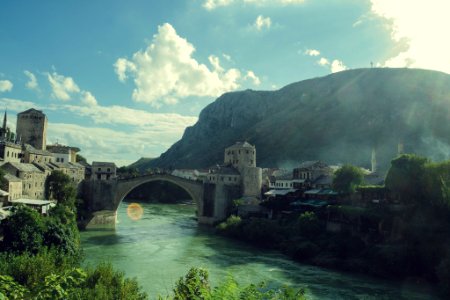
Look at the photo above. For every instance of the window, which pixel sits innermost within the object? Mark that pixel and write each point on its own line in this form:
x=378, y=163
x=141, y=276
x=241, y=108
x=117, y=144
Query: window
x=62, y=159
x=109, y=170
x=246, y=151
x=99, y=169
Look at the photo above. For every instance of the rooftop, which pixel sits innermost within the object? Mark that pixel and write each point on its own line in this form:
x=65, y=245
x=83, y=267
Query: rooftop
x=241, y=145
x=31, y=110
x=23, y=167
x=12, y=178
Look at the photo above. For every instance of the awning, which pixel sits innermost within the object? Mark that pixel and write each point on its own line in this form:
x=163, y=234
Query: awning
x=279, y=192
x=32, y=202
x=310, y=202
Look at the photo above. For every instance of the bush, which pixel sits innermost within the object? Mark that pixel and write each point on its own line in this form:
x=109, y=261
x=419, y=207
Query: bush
x=103, y=282
x=308, y=225
x=195, y=285
x=231, y=227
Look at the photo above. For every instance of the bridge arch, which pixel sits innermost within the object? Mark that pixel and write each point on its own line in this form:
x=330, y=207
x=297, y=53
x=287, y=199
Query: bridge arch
x=193, y=188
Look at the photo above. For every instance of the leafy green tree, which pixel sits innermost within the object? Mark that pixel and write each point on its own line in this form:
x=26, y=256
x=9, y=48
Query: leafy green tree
x=194, y=285
x=405, y=178
x=60, y=187
x=80, y=158
x=3, y=181
x=23, y=231
x=347, y=178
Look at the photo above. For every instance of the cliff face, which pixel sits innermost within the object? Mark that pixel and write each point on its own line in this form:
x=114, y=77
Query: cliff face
x=339, y=118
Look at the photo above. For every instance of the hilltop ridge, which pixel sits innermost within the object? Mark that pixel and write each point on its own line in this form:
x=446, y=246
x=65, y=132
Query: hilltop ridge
x=337, y=118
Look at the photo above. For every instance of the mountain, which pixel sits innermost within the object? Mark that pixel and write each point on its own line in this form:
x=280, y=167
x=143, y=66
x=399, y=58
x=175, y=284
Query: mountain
x=142, y=164
x=338, y=118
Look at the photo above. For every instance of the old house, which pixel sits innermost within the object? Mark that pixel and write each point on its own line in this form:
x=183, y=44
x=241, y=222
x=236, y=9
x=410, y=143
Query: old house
x=33, y=179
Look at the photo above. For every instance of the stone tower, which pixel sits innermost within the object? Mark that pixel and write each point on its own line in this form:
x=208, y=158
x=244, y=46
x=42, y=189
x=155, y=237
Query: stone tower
x=242, y=156
x=32, y=128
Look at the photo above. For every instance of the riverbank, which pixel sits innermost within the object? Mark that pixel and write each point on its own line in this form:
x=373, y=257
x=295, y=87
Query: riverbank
x=305, y=240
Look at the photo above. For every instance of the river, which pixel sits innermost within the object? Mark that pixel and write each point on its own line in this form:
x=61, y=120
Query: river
x=165, y=242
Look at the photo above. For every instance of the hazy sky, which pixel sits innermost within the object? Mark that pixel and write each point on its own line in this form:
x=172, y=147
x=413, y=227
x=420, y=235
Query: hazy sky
x=123, y=79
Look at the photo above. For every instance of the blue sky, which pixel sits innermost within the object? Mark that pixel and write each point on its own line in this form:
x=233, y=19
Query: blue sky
x=123, y=79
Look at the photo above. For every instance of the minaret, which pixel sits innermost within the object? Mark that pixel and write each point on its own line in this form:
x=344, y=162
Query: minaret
x=400, y=148
x=374, y=160
x=4, y=122
x=3, y=131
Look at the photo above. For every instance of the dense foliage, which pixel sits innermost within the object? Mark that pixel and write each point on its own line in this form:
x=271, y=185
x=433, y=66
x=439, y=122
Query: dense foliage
x=347, y=178
x=195, y=285
x=59, y=186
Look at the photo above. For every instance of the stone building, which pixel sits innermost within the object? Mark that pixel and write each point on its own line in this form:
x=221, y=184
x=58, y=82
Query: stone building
x=103, y=171
x=31, y=154
x=311, y=170
x=63, y=154
x=10, y=151
x=33, y=179
x=74, y=170
x=14, y=187
x=32, y=128
x=240, y=155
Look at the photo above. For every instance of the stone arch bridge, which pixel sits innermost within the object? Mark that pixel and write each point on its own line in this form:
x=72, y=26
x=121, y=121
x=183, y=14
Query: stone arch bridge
x=103, y=197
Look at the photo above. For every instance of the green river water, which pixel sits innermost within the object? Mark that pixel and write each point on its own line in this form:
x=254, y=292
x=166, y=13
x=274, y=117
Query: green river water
x=163, y=245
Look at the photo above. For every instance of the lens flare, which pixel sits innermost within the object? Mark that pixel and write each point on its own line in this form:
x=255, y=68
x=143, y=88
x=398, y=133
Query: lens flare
x=135, y=211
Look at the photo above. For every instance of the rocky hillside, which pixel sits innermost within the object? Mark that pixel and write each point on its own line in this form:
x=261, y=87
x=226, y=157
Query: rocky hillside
x=338, y=118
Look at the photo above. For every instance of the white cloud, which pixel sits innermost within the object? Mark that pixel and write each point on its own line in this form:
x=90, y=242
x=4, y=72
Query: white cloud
x=5, y=86
x=121, y=66
x=88, y=99
x=166, y=71
x=323, y=61
x=312, y=52
x=17, y=105
x=213, y=4
x=32, y=83
x=262, y=22
x=337, y=66
x=121, y=134
x=334, y=65
x=251, y=76
x=62, y=87
x=422, y=28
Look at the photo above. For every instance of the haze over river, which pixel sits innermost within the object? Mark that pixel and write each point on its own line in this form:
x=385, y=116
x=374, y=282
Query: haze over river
x=161, y=247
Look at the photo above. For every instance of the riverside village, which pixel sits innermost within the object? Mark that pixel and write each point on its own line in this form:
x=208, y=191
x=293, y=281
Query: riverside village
x=234, y=186
x=338, y=217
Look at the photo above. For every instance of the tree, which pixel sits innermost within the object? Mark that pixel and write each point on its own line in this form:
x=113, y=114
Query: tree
x=80, y=158
x=60, y=187
x=405, y=177
x=347, y=178
x=23, y=231
x=3, y=181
